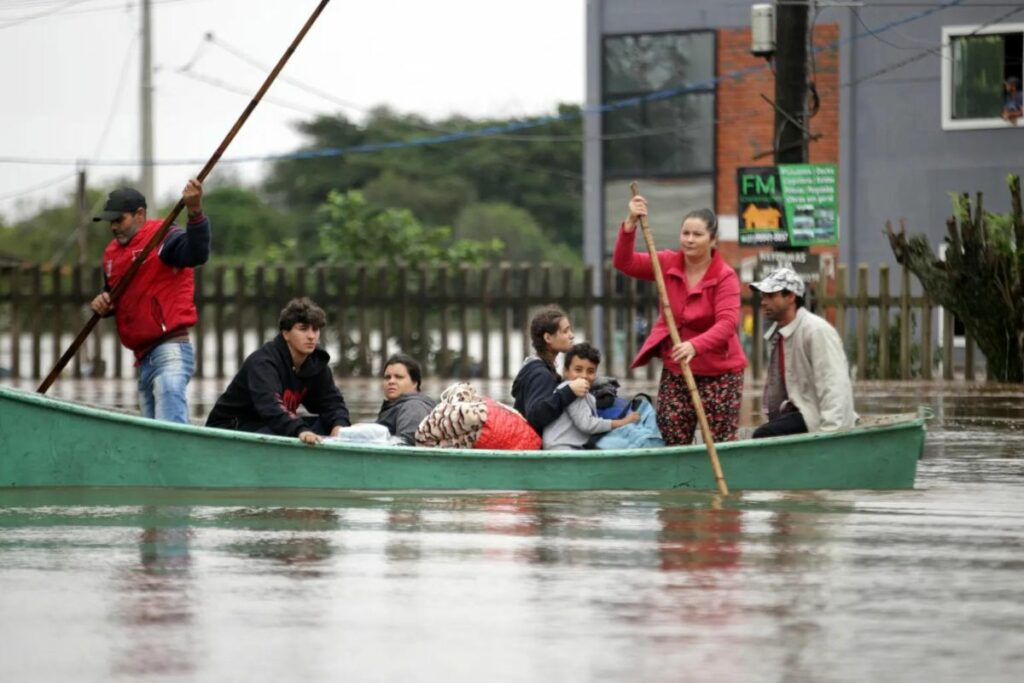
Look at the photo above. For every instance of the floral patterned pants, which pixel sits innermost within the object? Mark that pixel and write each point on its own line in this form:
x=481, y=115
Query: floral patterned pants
x=721, y=396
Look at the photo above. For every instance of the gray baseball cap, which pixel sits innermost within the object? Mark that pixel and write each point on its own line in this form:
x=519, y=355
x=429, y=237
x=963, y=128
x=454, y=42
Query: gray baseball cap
x=778, y=280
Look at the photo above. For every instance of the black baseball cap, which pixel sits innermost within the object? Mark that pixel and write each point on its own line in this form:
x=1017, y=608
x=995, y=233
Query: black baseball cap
x=124, y=200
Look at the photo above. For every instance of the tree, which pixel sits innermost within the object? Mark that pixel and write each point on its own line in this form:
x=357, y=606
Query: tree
x=244, y=224
x=524, y=240
x=352, y=231
x=537, y=169
x=435, y=201
x=981, y=279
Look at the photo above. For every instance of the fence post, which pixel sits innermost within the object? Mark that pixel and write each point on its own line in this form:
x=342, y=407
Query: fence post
x=200, y=328
x=463, y=295
x=968, y=357
x=37, y=335
x=506, y=320
x=883, y=321
x=524, y=297
x=588, y=300
x=218, y=318
x=259, y=296
x=76, y=302
x=630, y=349
x=926, y=338
x=947, y=344
x=403, y=310
x=905, y=328
x=383, y=312
x=15, y=322
x=340, y=276
x=862, y=321
x=239, y=316
x=443, y=368
x=608, y=318
x=841, y=276
x=57, y=310
x=485, y=323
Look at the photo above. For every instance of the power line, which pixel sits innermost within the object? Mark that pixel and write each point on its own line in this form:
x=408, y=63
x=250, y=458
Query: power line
x=936, y=49
x=41, y=186
x=513, y=127
x=40, y=15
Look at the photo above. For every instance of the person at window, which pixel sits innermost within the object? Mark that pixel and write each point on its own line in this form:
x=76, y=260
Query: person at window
x=404, y=405
x=1013, y=102
x=808, y=385
x=534, y=388
x=289, y=371
x=705, y=296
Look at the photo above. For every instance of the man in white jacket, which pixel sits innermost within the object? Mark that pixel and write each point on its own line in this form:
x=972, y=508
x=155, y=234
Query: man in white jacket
x=808, y=385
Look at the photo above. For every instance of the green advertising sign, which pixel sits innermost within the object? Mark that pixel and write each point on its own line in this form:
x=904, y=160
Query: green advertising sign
x=788, y=205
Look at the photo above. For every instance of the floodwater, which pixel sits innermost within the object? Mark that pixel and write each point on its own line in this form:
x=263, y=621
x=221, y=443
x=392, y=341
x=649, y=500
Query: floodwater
x=921, y=585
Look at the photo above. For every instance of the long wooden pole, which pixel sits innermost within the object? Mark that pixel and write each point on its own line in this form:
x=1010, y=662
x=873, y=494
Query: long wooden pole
x=691, y=384
x=169, y=220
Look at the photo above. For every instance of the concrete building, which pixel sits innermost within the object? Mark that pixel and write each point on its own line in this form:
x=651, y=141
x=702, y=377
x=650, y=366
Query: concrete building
x=910, y=102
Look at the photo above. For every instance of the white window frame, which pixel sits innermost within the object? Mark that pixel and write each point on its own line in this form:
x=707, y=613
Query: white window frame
x=948, y=34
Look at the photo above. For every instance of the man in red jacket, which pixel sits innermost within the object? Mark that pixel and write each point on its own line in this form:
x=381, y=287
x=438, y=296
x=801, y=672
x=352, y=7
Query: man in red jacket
x=157, y=308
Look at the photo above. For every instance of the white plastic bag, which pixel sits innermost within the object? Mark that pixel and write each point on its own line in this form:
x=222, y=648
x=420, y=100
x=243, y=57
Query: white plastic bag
x=363, y=432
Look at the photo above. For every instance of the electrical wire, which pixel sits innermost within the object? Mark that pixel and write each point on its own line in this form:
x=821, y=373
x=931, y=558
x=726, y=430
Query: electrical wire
x=41, y=186
x=40, y=15
x=516, y=126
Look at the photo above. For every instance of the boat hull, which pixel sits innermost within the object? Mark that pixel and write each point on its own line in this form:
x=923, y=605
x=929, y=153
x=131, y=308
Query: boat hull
x=47, y=442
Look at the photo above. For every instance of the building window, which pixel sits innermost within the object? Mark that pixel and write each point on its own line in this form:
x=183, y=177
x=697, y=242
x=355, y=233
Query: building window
x=666, y=141
x=976, y=62
x=671, y=136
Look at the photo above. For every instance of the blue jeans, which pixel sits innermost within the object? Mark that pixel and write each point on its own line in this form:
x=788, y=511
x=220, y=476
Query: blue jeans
x=164, y=374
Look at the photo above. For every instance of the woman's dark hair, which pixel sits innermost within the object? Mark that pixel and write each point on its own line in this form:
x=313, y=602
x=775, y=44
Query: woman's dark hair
x=546, y=321
x=304, y=311
x=411, y=366
x=708, y=217
x=584, y=351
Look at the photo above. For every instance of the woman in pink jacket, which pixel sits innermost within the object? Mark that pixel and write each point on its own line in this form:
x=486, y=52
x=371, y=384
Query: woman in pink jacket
x=705, y=296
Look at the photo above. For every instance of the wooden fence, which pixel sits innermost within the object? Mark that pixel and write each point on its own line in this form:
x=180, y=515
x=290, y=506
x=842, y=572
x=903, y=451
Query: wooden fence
x=460, y=323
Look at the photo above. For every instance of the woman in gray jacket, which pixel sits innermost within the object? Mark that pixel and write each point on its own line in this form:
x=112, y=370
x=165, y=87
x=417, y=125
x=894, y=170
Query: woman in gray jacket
x=404, y=405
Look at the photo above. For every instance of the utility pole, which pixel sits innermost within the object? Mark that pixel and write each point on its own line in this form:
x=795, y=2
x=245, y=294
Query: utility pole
x=146, y=105
x=791, y=42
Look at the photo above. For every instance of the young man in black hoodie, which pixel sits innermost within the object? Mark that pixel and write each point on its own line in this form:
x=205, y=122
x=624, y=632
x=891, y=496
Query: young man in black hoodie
x=285, y=373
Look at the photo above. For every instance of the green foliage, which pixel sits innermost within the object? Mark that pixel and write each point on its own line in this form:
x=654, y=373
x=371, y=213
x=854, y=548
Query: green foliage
x=873, y=355
x=244, y=226
x=51, y=231
x=437, y=185
x=516, y=227
x=435, y=201
x=352, y=231
x=540, y=175
x=998, y=226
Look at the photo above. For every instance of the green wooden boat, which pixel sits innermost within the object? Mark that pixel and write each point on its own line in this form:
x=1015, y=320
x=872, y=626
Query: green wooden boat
x=46, y=442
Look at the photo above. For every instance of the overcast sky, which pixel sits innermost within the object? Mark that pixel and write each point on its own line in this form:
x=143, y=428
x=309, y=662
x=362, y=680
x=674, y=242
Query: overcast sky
x=70, y=76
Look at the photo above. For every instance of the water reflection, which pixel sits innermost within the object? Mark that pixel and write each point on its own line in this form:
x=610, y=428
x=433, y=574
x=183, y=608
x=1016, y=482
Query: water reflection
x=154, y=603
x=140, y=584
x=297, y=540
x=700, y=540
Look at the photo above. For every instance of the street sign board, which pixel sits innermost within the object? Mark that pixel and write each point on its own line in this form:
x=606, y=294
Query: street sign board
x=787, y=205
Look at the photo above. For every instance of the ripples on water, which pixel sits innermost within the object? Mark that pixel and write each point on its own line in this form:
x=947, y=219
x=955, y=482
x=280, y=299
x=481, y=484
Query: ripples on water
x=921, y=585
